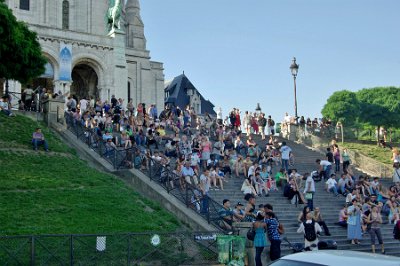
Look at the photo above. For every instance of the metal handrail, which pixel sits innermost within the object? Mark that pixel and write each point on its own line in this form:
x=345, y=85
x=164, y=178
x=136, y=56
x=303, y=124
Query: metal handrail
x=123, y=159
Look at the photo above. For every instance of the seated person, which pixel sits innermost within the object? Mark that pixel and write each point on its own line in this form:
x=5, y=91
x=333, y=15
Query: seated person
x=38, y=139
x=226, y=215
x=4, y=106
x=238, y=213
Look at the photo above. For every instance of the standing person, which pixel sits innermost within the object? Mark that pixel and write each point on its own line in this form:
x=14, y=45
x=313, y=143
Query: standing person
x=346, y=159
x=309, y=191
x=114, y=101
x=285, y=155
x=260, y=241
x=396, y=173
x=205, y=185
x=273, y=235
x=374, y=219
x=354, y=222
x=247, y=123
x=310, y=229
x=262, y=123
x=270, y=126
x=329, y=155
x=28, y=93
x=336, y=157
x=83, y=103
x=206, y=147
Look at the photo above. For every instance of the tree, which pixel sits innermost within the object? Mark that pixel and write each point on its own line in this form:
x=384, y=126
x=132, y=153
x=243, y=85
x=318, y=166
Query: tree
x=342, y=106
x=20, y=52
x=380, y=106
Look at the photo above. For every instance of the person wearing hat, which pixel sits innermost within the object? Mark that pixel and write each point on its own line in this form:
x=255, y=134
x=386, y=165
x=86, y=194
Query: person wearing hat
x=226, y=215
x=238, y=212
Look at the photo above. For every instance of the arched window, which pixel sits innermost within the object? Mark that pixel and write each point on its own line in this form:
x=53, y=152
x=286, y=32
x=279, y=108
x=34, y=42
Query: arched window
x=65, y=15
x=24, y=4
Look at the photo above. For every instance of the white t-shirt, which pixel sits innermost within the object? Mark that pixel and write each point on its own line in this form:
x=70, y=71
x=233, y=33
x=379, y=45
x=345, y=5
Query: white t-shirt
x=83, y=104
x=285, y=151
x=331, y=183
x=194, y=159
x=325, y=163
x=252, y=170
x=310, y=185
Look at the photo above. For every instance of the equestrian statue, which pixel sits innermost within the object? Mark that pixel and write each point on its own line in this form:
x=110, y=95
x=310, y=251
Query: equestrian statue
x=114, y=15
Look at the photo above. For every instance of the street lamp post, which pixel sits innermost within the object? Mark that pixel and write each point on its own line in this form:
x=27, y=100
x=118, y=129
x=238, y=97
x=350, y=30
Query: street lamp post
x=294, y=68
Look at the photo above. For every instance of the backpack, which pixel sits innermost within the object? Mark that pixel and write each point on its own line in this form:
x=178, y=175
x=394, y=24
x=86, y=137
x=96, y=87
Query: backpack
x=272, y=123
x=396, y=231
x=309, y=231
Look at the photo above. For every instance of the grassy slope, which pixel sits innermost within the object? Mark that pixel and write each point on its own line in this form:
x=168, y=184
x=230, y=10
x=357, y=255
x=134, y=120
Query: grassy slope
x=57, y=193
x=371, y=150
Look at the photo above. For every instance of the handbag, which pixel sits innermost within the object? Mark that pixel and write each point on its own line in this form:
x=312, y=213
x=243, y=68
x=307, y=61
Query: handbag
x=251, y=234
x=281, y=229
x=308, y=196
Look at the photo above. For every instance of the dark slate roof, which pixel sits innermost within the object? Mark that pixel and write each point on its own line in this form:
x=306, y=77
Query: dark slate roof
x=177, y=90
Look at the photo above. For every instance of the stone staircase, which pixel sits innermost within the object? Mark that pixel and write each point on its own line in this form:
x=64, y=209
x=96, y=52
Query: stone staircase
x=328, y=203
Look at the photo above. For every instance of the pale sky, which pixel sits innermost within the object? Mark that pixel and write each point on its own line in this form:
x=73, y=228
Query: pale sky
x=237, y=53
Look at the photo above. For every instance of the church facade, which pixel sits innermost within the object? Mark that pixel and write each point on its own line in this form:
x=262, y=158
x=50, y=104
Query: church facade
x=84, y=59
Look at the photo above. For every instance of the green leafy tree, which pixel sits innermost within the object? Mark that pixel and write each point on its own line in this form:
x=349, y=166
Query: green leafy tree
x=20, y=52
x=380, y=106
x=342, y=106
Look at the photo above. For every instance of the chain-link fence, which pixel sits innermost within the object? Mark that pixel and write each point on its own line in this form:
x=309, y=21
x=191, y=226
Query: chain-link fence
x=122, y=158
x=117, y=249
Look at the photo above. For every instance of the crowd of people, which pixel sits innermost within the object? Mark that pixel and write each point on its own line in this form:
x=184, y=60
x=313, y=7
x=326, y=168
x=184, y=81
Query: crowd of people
x=203, y=153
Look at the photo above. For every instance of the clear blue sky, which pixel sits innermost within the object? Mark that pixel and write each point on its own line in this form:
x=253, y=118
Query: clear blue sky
x=238, y=53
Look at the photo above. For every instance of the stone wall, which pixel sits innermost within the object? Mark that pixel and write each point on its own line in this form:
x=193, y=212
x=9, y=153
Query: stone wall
x=359, y=160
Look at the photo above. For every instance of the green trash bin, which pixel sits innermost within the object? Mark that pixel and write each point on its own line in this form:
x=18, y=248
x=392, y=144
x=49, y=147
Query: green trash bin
x=231, y=250
x=278, y=128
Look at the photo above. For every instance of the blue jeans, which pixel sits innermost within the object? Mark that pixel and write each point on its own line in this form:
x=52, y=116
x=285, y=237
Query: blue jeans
x=310, y=202
x=327, y=172
x=36, y=143
x=204, y=204
x=285, y=165
x=259, y=251
x=334, y=190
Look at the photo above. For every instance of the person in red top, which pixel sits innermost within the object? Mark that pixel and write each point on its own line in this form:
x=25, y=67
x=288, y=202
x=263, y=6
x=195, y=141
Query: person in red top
x=38, y=139
x=237, y=120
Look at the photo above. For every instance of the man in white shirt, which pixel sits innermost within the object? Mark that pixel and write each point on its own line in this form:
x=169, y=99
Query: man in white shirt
x=205, y=185
x=252, y=169
x=309, y=190
x=332, y=185
x=285, y=155
x=324, y=168
x=83, y=105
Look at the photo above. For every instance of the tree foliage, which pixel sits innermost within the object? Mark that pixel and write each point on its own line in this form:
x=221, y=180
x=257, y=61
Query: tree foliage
x=20, y=53
x=342, y=106
x=379, y=106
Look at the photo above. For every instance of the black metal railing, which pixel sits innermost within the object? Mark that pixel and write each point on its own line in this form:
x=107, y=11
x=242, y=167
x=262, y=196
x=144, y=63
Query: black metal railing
x=121, y=158
x=150, y=248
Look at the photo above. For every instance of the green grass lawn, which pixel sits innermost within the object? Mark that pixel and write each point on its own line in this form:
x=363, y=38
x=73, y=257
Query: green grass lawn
x=57, y=193
x=380, y=154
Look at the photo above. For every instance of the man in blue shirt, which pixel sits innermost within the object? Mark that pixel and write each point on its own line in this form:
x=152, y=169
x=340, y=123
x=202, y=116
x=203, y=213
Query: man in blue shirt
x=188, y=174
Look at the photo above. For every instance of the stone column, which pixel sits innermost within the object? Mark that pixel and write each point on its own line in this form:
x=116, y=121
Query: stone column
x=120, y=72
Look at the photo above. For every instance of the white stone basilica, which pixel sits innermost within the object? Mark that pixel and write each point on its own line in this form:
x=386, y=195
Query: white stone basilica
x=83, y=58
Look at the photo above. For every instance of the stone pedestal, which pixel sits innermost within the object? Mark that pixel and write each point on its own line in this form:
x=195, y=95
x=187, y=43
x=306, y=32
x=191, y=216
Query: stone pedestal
x=119, y=67
x=53, y=110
